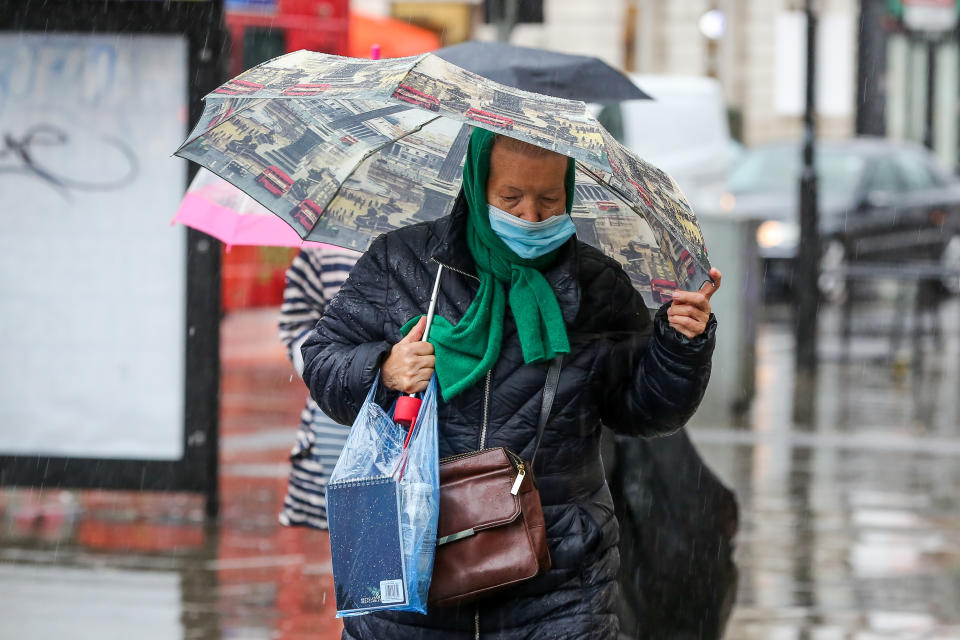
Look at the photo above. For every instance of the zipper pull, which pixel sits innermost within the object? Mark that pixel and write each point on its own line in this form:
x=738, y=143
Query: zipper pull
x=521, y=472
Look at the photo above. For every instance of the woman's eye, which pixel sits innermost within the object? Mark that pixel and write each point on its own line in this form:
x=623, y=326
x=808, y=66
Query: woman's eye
x=510, y=198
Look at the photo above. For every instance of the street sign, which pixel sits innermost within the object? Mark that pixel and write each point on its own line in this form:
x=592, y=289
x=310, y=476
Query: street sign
x=932, y=17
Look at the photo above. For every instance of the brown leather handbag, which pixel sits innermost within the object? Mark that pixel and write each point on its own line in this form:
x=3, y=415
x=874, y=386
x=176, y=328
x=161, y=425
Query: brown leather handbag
x=491, y=532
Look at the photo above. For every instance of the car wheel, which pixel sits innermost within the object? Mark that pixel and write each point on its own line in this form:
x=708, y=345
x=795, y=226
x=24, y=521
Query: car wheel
x=950, y=259
x=832, y=282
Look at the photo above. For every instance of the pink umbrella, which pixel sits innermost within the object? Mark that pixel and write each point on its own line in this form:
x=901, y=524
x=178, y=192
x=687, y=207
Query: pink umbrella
x=218, y=208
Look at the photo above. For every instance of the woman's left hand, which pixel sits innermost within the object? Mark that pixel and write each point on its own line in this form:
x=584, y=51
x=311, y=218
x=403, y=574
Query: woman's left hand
x=690, y=311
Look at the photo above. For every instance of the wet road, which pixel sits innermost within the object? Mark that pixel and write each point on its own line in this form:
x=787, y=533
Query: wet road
x=850, y=526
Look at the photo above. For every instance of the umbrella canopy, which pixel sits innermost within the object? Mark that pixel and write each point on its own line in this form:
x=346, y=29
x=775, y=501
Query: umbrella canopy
x=551, y=73
x=343, y=149
x=218, y=208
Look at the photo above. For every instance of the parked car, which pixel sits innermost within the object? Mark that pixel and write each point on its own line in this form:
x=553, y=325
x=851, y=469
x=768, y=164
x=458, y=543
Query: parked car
x=683, y=131
x=879, y=201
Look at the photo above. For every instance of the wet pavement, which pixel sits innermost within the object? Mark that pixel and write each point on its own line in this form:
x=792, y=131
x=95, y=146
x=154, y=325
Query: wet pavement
x=89, y=564
x=850, y=525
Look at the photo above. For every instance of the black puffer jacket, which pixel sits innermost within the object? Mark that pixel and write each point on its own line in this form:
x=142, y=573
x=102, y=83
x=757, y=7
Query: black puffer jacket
x=637, y=376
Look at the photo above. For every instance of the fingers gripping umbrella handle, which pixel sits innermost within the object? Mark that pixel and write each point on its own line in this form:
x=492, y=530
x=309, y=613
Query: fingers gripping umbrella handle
x=408, y=406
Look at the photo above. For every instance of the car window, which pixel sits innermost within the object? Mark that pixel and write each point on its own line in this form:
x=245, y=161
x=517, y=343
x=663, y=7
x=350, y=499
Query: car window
x=673, y=124
x=883, y=176
x=916, y=173
x=777, y=169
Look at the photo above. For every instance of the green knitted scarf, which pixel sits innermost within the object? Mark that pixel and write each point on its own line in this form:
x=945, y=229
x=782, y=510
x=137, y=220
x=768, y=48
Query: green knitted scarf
x=468, y=350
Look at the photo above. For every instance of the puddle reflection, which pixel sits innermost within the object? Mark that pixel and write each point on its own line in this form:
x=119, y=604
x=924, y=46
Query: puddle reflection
x=850, y=526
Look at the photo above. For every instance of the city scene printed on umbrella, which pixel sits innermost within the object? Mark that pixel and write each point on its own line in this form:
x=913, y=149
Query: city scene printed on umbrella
x=343, y=150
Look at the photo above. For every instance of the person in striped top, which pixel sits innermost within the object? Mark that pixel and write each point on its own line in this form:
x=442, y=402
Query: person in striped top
x=313, y=279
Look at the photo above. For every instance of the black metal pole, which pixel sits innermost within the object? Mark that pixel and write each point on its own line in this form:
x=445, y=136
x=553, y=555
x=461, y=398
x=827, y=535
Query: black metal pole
x=931, y=83
x=808, y=255
x=871, y=67
x=508, y=20
x=807, y=298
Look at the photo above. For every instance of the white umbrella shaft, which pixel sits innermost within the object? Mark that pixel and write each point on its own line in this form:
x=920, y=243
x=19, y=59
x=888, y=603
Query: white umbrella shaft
x=433, y=303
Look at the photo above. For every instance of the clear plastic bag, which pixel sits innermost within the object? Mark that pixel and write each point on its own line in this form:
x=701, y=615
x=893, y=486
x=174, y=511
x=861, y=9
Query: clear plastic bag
x=374, y=460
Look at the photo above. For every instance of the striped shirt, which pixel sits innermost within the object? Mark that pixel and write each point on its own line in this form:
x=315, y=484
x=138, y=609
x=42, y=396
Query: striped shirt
x=313, y=279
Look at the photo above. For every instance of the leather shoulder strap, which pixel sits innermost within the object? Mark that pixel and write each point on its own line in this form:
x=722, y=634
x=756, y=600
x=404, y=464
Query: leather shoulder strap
x=549, y=393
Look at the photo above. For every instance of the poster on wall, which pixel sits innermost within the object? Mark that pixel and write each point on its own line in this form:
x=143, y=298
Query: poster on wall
x=92, y=277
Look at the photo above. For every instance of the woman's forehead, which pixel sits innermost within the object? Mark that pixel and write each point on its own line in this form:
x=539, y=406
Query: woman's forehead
x=512, y=168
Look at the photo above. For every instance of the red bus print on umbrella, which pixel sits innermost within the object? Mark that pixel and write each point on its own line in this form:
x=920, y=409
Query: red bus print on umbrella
x=275, y=181
x=418, y=98
x=305, y=89
x=239, y=87
x=306, y=213
x=663, y=289
x=490, y=118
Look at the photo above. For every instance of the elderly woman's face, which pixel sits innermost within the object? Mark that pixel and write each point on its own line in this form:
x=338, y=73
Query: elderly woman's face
x=529, y=187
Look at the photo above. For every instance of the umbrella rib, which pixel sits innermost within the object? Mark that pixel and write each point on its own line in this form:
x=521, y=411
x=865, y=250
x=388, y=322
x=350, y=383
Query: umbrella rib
x=369, y=153
x=613, y=189
x=249, y=102
x=626, y=199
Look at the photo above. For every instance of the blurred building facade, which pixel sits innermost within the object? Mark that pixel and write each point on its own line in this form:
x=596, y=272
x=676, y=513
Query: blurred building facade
x=652, y=36
x=755, y=48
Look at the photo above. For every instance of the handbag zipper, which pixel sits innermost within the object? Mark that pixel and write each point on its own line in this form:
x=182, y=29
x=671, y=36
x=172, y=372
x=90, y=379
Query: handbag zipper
x=517, y=461
x=521, y=472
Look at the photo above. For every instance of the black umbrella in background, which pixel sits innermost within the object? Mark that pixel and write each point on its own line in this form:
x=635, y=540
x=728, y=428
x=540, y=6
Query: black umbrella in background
x=561, y=75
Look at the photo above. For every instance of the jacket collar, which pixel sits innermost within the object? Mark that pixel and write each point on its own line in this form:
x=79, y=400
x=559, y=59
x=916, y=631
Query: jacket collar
x=453, y=253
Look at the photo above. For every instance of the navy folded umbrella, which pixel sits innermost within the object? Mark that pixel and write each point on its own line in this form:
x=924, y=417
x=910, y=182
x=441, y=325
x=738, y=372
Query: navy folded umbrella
x=561, y=75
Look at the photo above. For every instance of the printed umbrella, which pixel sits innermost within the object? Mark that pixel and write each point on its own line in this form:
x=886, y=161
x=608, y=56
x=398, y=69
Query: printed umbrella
x=343, y=149
x=218, y=208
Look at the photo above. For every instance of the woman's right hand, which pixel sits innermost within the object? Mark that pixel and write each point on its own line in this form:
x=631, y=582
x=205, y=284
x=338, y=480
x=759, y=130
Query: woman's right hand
x=411, y=362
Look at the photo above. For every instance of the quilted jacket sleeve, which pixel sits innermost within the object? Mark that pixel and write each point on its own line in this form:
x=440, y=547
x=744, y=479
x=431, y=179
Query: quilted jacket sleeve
x=343, y=354
x=658, y=376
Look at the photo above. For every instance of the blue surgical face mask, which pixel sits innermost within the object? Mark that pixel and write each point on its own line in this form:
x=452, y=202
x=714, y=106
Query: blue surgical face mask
x=531, y=239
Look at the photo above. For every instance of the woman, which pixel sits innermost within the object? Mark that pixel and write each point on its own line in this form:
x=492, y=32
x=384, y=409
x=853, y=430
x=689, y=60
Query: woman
x=313, y=280
x=517, y=290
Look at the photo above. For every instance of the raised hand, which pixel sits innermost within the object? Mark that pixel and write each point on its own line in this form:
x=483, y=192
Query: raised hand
x=690, y=311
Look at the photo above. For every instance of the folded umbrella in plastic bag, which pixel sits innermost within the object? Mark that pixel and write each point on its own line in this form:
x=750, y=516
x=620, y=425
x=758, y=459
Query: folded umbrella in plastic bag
x=382, y=508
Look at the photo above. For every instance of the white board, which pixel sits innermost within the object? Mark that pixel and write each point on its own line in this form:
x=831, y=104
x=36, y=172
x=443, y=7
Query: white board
x=836, y=64
x=92, y=277
x=930, y=16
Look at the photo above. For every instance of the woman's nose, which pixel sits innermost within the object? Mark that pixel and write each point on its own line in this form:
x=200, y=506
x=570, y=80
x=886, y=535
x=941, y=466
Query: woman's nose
x=528, y=211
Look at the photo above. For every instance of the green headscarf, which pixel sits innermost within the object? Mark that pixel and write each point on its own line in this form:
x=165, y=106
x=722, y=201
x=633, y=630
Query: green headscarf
x=467, y=351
